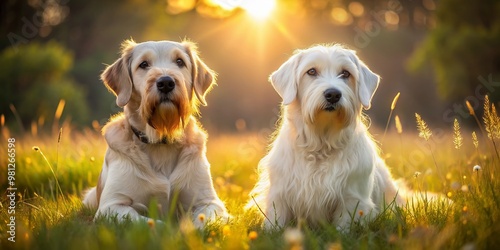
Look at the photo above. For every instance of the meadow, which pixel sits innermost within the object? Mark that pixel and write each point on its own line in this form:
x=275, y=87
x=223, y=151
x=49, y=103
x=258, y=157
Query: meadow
x=53, y=170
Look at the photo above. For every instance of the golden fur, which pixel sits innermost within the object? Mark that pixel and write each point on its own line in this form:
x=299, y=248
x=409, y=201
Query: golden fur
x=172, y=160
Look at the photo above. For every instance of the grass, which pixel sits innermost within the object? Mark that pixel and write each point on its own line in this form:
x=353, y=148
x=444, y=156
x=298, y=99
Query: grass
x=49, y=213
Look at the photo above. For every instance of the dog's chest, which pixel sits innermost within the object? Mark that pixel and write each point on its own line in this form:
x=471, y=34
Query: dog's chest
x=162, y=159
x=314, y=191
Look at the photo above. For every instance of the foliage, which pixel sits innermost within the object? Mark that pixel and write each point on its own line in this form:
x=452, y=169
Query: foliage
x=463, y=47
x=35, y=77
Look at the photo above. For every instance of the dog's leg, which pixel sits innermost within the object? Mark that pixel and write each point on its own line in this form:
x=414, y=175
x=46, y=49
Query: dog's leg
x=277, y=213
x=354, y=210
x=127, y=192
x=122, y=212
x=197, y=192
x=90, y=199
x=385, y=189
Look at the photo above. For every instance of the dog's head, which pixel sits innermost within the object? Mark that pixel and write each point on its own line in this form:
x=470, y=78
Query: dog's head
x=164, y=82
x=326, y=81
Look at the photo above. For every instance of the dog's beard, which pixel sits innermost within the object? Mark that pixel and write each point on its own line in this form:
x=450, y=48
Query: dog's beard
x=327, y=117
x=325, y=129
x=166, y=114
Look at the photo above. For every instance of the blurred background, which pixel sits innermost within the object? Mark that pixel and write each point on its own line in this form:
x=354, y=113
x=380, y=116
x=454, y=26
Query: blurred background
x=438, y=54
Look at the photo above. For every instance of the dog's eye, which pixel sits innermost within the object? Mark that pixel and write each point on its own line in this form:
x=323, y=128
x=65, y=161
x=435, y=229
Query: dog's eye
x=312, y=72
x=344, y=74
x=180, y=63
x=144, y=65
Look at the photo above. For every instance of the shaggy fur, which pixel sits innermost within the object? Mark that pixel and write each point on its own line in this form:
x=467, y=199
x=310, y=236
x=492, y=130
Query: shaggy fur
x=168, y=163
x=323, y=166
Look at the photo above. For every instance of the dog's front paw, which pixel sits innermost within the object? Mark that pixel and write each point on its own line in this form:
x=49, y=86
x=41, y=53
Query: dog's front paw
x=207, y=215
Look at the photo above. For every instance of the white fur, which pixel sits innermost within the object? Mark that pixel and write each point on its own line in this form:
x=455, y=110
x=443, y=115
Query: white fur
x=323, y=166
x=134, y=173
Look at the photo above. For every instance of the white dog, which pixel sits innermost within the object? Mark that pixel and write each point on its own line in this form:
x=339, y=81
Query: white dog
x=323, y=165
x=156, y=148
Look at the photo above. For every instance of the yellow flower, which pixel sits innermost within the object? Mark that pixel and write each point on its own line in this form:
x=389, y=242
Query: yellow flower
x=253, y=235
x=201, y=217
x=151, y=223
x=226, y=230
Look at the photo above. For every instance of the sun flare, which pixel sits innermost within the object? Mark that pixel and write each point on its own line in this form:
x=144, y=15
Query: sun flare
x=258, y=9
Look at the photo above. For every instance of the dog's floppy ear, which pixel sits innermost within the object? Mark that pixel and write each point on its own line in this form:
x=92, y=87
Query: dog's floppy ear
x=285, y=80
x=203, y=77
x=367, y=82
x=117, y=76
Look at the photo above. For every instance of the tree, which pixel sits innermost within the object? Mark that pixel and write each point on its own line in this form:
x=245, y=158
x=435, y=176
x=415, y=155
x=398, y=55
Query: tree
x=463, y=49
x=35, y=77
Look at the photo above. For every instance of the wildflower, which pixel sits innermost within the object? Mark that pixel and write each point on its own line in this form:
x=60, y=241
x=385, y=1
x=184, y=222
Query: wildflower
x=360, y=213
x=293, y=236
x=201, y=217
x=424, y=131
x=449, y=194
x=465, y=188
x=151, y=223
x=476, y=168
x=253, y=235
x=92, y=159
x=226, y=230
x=464, y=209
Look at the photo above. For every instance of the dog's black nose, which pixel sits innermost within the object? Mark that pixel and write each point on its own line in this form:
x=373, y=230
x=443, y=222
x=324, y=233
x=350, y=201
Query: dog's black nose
x=332, y=95
x=165, y=84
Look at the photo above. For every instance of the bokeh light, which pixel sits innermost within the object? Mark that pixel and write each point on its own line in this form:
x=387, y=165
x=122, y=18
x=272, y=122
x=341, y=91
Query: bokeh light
x=341, y=16
x=356, y=8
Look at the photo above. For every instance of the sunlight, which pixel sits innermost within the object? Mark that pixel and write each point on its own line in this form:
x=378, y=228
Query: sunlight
x=258, y=9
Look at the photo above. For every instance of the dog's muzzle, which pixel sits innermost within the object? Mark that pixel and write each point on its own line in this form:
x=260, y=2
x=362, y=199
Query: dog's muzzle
x=332, y=97
x=165, y=85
